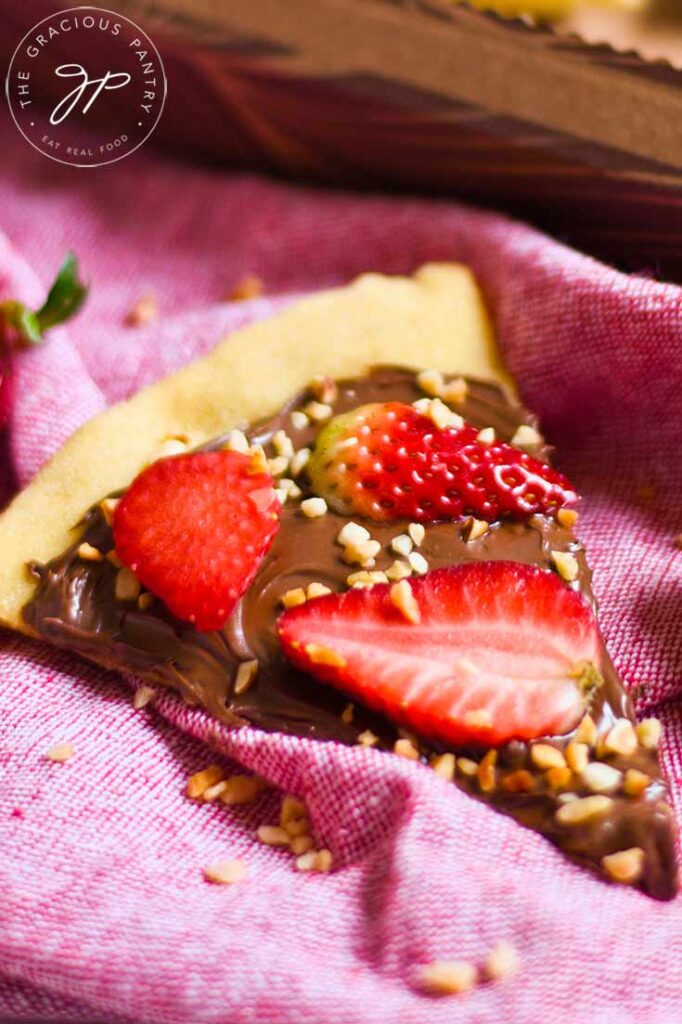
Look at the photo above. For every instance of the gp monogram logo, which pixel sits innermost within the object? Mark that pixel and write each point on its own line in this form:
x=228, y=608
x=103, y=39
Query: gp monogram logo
x=86, y=86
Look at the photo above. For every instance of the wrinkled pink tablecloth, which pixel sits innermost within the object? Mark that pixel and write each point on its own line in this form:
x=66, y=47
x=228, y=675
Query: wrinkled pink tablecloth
x=104, y=915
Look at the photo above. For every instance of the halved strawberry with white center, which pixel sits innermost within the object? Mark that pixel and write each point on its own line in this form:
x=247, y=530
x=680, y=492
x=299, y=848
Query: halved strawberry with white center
x=500, y=650
x=387, y=460
x=194, y=528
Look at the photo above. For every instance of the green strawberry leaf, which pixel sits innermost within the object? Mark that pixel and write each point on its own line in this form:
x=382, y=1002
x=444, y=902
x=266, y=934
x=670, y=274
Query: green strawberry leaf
x=66, y=296
x=64, y=299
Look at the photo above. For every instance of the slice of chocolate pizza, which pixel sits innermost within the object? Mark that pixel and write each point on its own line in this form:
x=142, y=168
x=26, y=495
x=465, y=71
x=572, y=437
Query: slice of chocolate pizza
x=385, y=557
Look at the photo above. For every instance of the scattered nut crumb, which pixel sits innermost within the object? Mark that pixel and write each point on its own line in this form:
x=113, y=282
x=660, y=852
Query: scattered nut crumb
x=586, y=731
x=447, y=977
x=519, y=781
x=292, y=808
x=431, y=382
x=577, y=755
x=259, y=460
x=127, y=586
x=242, y=789
x=526, y=437
x=60, y=752
x=621, y=739
x=487, y=776
x=299, y=461
x=368, y=739
x=297, y=827
x=323, y=861
x=278, y=466
x=626, y=866
x=417, y=533
x=363, y=578
x=292, y=598
x=566, y=565
x=486, y=436
x=648, y=733
x=501, y=962
x=406, y=748
x=347, y=714
x=403, y=599
x=301, y=844
x=145, y=601
x=318, y=411
x=143, y=312
x=583, y=810
x=559, y=777
x=320, y=655
x=635, y=782
x=170, y=447
x=444, y=765
x=246, y=673
x=306, y=862
x=567, y=517
x=143, y=696
x=601, y=778
x=211, y=794
x=107, y=508
x=225, y=872
x=89, y=553
x=273, y=835
x=316, y=589
x=455, y=391
x=467, y=767
x=313, y=508
x=402, y=544
x=201, y=780
x=283, y=444
x=398, y=571
x=248, y=287
x=299, y=420
x=418, y=563
x=361, y=553
x=545, y=756
x=475, y=528
x=441, y=416
x=237, y=442
x=352, y=533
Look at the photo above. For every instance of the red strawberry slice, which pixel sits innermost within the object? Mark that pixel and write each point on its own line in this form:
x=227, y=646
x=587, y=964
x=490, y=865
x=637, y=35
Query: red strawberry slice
x=194, y=529
x=501, y=651
x=387, y=460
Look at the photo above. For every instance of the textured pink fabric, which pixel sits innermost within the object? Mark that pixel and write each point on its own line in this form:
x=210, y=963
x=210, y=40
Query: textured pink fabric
x=104, y=914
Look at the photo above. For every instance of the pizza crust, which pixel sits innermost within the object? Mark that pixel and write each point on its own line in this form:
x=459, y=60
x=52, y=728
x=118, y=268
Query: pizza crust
x=437, y=319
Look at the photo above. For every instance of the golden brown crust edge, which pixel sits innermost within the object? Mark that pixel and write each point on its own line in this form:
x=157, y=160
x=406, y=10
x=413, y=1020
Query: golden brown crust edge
x=435, y=319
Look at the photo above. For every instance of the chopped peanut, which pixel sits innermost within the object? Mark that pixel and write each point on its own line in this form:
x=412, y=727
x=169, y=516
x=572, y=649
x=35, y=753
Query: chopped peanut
x=545, y=756
x=526, y=437
x=313, y=508
x=649, y=733
x=292, y=598
x=127, y=586
x=626, y=866
x=403, y=599
x=246, y=673
x=60, y=752
x=225, y=872
x=89, y=553
x=201, y=780
x=320, y=655
x=583, y=810
x=406, y=748
x=447, y=977
x=621, y=739
x=241, y=789
x=486, y=436
x=444, y=765
x=273, y=835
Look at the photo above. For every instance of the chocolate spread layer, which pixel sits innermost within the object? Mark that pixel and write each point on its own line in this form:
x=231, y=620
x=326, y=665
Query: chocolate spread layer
x=75, y=607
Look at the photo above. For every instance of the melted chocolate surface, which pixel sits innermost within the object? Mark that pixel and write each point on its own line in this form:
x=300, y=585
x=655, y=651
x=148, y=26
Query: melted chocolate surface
x=75, y=607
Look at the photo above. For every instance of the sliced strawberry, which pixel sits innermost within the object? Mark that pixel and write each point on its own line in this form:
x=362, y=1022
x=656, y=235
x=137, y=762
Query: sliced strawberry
x=194, y=529
x=501, y=651
x=387, y=460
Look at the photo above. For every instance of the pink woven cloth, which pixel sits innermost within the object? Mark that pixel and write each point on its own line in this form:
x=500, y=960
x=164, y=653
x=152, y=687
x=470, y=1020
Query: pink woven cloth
x=104, y=913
